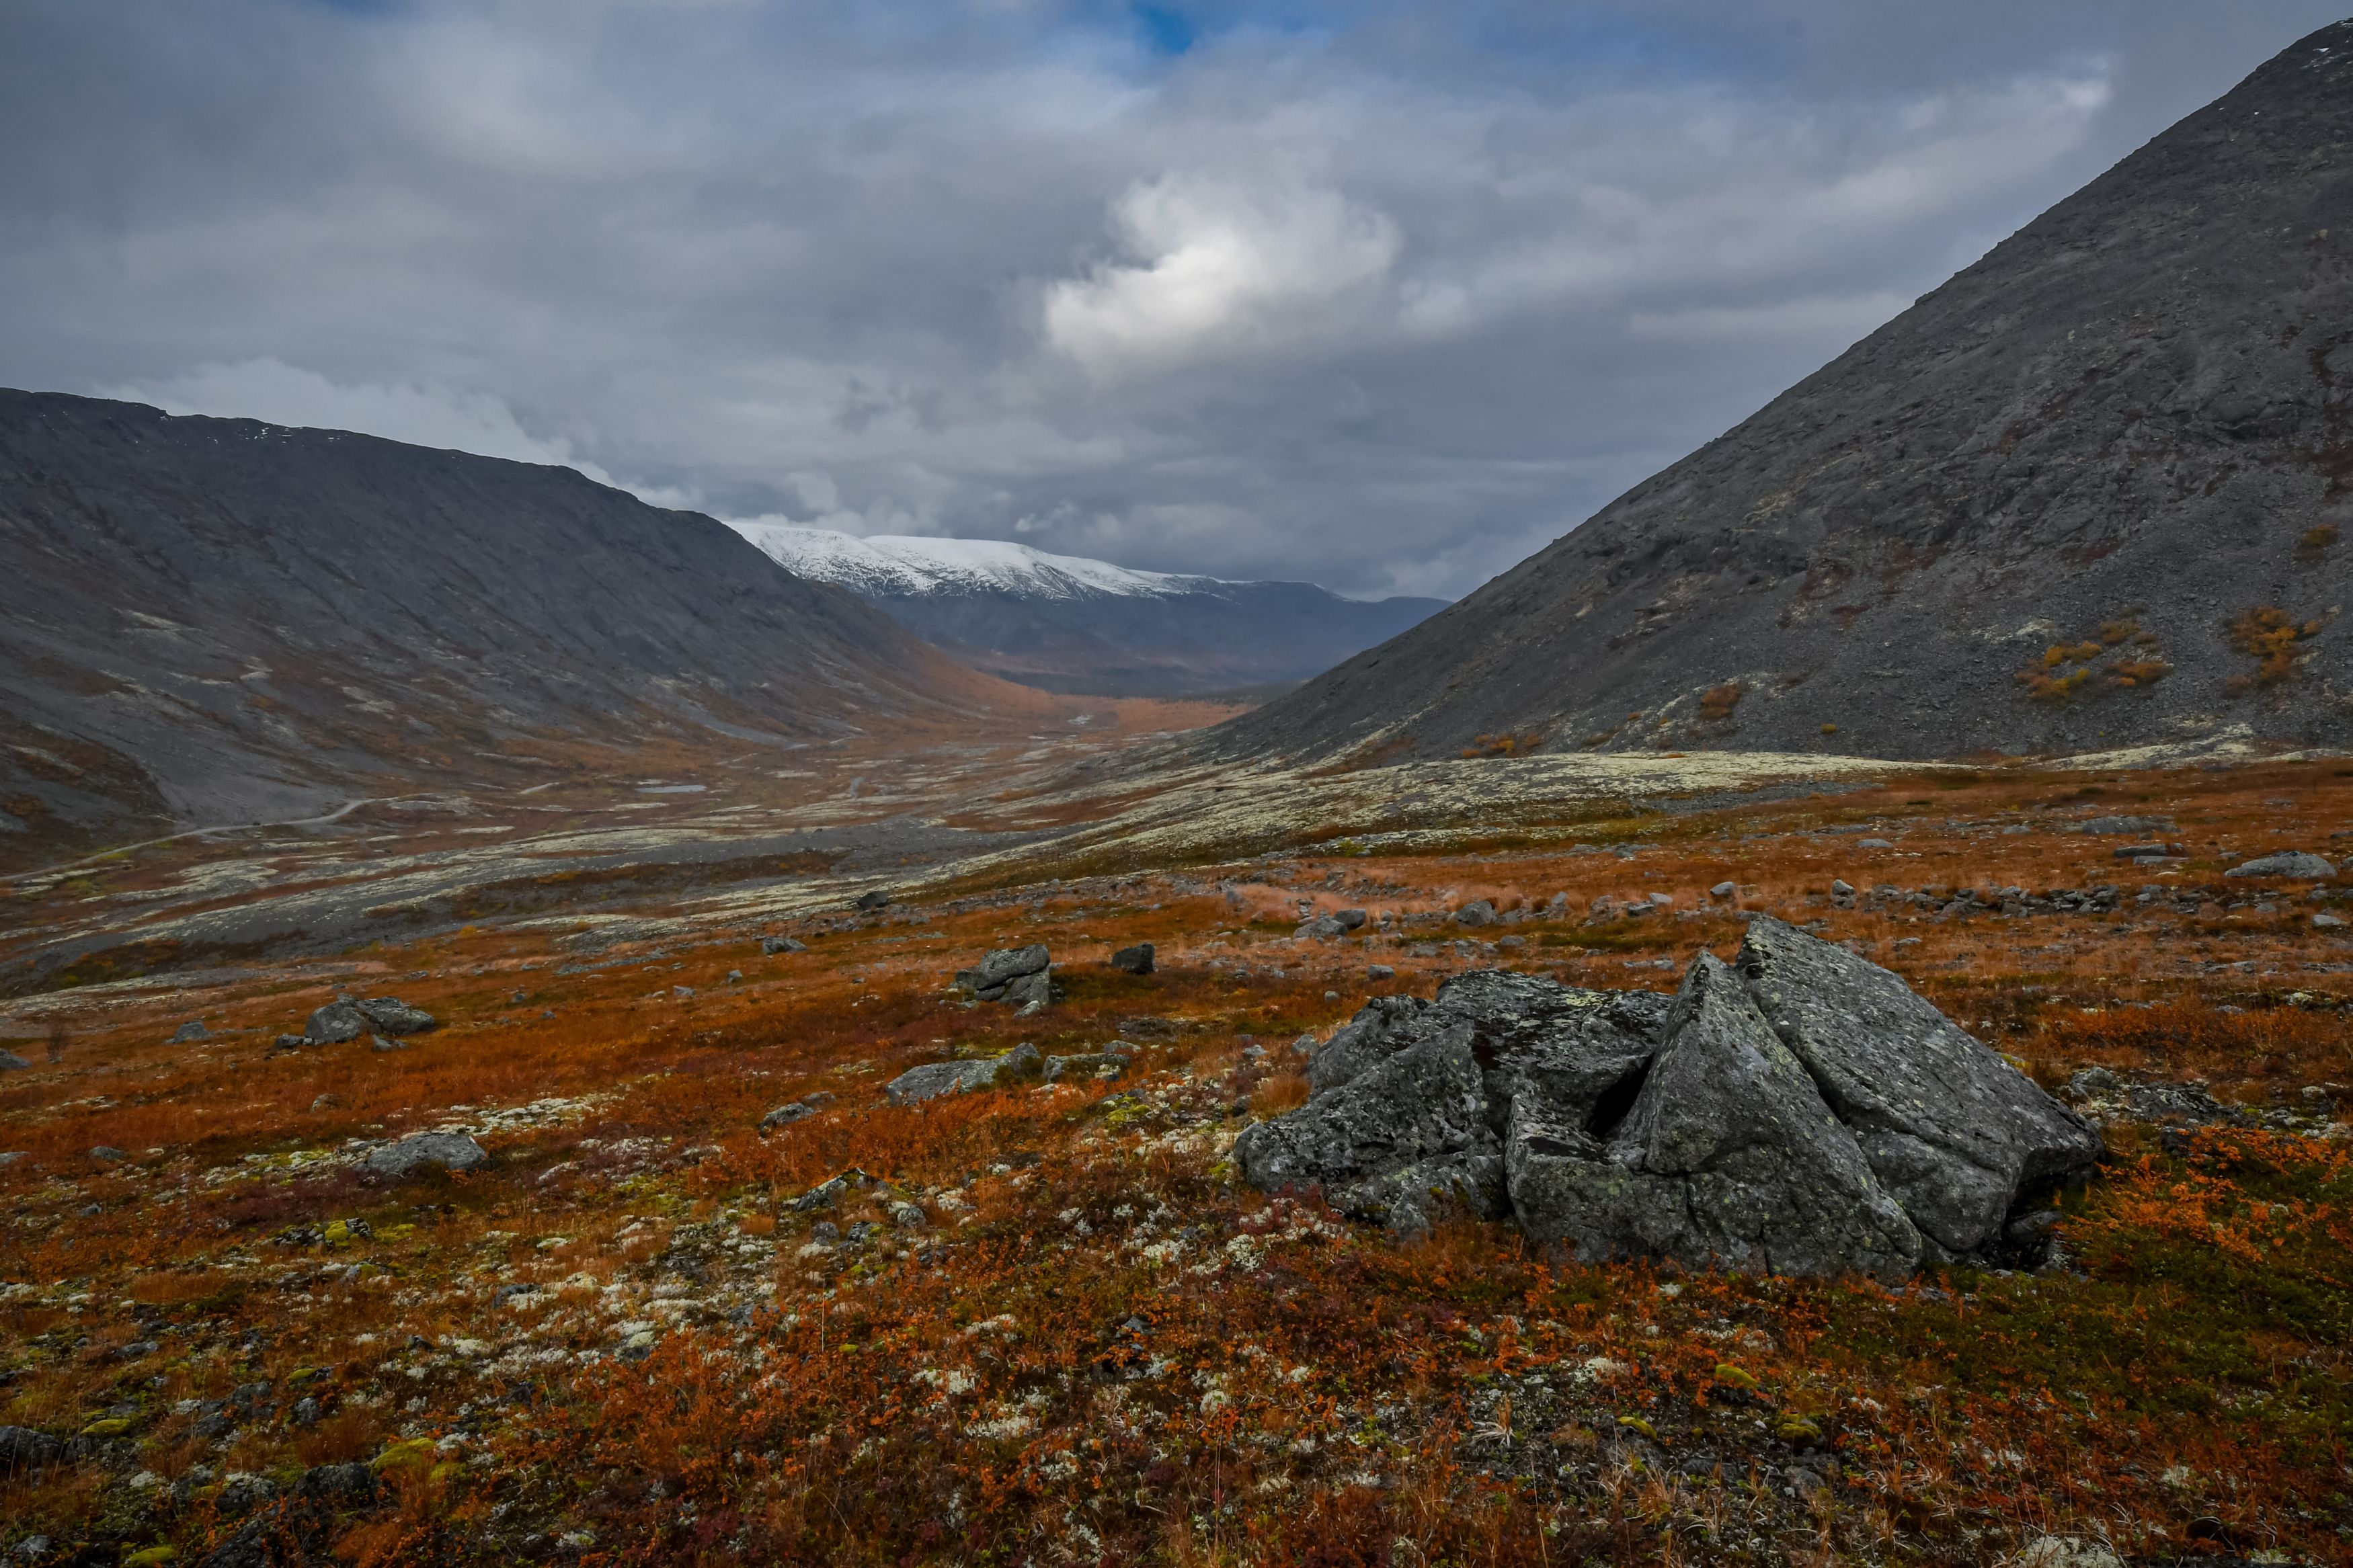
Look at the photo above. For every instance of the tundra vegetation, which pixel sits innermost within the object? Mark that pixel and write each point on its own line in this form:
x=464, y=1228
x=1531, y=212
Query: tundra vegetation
x=1046, y=1321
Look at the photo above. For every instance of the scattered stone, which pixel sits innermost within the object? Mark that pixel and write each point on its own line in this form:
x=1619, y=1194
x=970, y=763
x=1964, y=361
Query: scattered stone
x=2295, y=865
x=413, y=1155
x=189, y=1033
x=1379, y=971
x=2127, y=825
x=344, y=1486
x=2138, y=852
x=1480, y=913
x=1841, y=888
x=1092, y=1064
x=108, y=1155
x=24, y=1449
x=869, y=902
x=682, y=990
x=286, y=1043
x=1137, y=960
x=935, y=1078
x=908, y=1216
x=11, y=1062
x=771, y=945
x=324, y=1102
x=1874, y=844
x=785, y=1115
x=2328, y=922
x=1800, y=1112
x=380, y=1043
x=10, y=1156
x=735, y=976
x=830, y=1192
x=1723, y=889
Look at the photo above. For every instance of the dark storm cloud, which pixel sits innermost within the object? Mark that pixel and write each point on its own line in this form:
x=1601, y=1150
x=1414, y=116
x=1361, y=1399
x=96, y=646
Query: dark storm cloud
x=1384, y=297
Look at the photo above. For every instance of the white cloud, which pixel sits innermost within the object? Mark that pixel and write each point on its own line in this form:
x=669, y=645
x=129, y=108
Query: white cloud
x=1220, y=270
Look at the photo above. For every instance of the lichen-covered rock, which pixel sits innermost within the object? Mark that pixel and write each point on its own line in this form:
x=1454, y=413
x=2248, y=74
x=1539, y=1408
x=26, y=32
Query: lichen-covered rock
x=2292, y=864
x=189, y=1033
x=1727, y=1157
x=1955, y=1133
x=420, y=1151
x=1802, y=1112
x=1085, y=1064
x=1412, y=1126
x=338, y=1021
x=394, y=1016
x=935, y=1078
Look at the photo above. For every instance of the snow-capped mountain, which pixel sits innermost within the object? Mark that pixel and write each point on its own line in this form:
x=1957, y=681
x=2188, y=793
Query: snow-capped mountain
x=1068, y=624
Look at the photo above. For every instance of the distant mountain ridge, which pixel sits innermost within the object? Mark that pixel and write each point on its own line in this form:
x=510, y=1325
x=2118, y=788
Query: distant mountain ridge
x=217, y=621
x=1066, y=623
x=2095, y=492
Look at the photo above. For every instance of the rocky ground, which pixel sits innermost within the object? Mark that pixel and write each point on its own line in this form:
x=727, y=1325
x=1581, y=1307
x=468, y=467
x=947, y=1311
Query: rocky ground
x=712, y=1294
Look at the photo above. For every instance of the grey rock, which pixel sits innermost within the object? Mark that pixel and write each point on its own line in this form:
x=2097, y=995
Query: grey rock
x=1955, y=1133
x=1087, y=1064
x=2126, y=825
x=394, y=1016
x=341, y=1486
x=2089, y=1083
x=1394, y=1140
x=10, y=1156
x=2294, y=865
x=11, y=1062
x=1362, y=1042
x=935, y=1078
x=1723, y=889
x=189, y=1033
x=420, y=1151
x=771, y=945
x=868, y=902
x=381, y=1043
x=830, y=1192
x=785, y=1115
x=1479, y=914
x=1137, y=960
x=1727, y=1157
x=333, y=1024
x=285, y=1043
x=1323, y=928
x=26, y=1448
x=1004, y=964
x=108, y=1155
x=1026, y=991
x=1379, y=971
x=244, y=1494
x=908, y=1216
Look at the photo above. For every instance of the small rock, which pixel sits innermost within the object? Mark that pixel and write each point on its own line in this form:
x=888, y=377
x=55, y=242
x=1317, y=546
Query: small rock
x=1873, y=844
x=420, y=1151
x=1378, y=971
x=1479, y=914
x=285, y=1043
x=24, y=1449
x=868, y=902
x=1841, y=888
x=1137, y=960
x=770, y=945
x=189, y=1033
x=108, y=1155
x=380, y=1043
x=10, y=1156
x=1723, y=889
x=935, y=1078
x=908, y=1216
x=2326, y=921
x=2295, y=865
x=735, y=976
x=11, y=1062
x=682, y=990
x=324, y=1102
x=1094, y=1064
x=831, y=1191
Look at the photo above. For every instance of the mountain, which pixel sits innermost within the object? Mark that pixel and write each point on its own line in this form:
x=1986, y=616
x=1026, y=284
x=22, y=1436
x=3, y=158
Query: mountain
x=1068, y=624
x=2094, y=491
x=216, y=621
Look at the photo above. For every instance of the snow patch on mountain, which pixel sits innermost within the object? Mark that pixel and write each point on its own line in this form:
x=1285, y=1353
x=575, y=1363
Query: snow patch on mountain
x=893, y=565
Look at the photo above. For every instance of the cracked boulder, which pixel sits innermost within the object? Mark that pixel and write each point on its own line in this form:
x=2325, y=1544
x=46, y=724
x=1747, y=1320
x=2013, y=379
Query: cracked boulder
x=1799, y=1111
x=935, y=1078
x=1727, y=1158
x=1952, y=1130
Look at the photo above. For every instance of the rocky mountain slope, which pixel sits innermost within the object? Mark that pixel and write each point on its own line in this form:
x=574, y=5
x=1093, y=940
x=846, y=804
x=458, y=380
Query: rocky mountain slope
x=216, y=621
x=1068, y=624
x=2094, y=492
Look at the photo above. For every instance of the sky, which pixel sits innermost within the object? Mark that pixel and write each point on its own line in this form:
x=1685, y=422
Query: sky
x=1384, y=297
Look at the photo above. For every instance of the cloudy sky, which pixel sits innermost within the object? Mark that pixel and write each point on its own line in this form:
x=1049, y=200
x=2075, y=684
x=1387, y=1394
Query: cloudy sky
x=1384, y=296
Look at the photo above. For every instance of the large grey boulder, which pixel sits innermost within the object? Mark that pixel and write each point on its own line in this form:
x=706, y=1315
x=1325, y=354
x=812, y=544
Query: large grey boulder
x=2294, y=865
x=1728, y=1157
x=1021, y=975
x=421, y=1151
x=189, y=1033
x=338, y=1021
x=1800, y=1111
x=1952, y=1129
x=935, y=1078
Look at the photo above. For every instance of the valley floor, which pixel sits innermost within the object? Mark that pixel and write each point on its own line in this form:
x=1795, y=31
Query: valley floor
x=1047, y=1323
